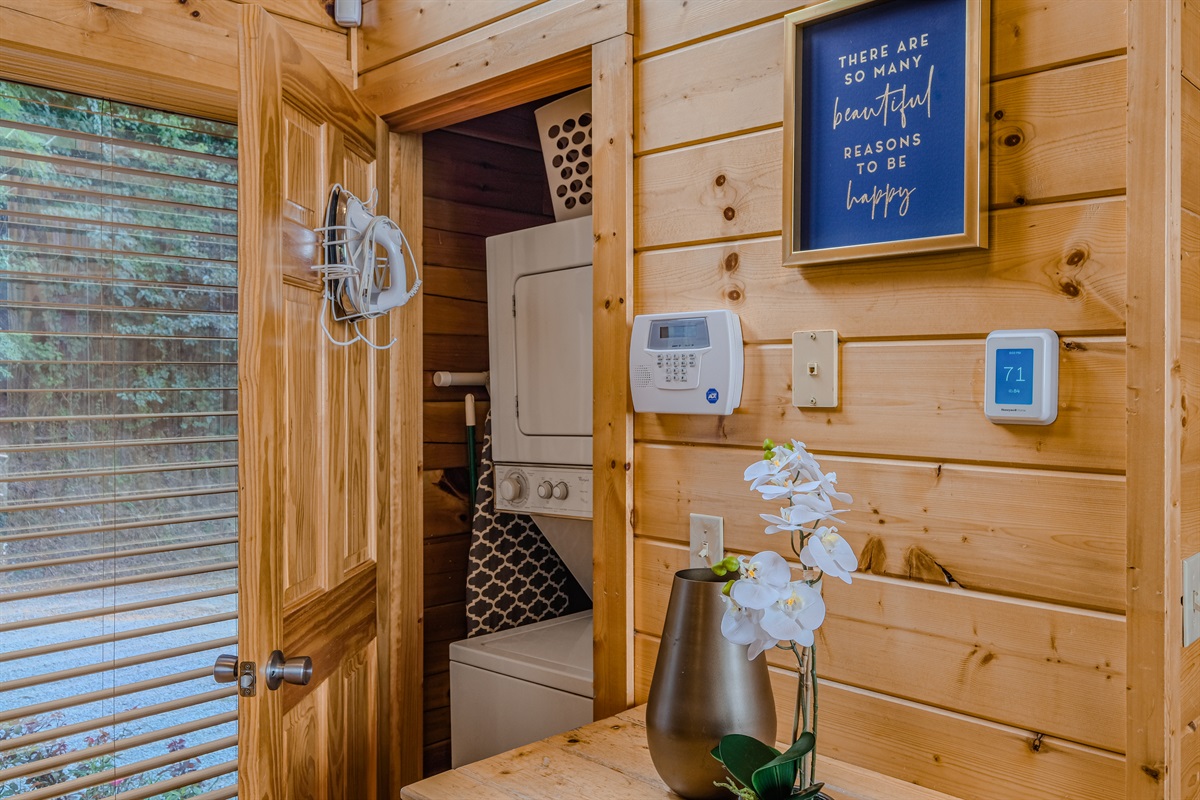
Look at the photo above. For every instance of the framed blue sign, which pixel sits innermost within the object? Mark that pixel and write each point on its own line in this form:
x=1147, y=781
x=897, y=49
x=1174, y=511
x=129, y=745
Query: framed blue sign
x=885, y=129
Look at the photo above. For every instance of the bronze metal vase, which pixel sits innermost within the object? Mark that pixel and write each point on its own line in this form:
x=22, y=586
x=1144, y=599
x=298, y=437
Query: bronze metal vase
x=703, y=688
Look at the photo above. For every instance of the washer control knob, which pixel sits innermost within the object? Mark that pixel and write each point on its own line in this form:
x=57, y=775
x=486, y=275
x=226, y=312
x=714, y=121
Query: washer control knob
x=560, y=491
x=545, y=490
x=512, y=488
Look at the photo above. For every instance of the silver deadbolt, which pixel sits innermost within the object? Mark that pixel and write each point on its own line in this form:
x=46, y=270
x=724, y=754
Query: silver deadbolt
x=229, y=670
x=296, y=670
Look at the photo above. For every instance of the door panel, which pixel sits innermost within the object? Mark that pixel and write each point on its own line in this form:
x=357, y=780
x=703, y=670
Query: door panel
x=314, y=474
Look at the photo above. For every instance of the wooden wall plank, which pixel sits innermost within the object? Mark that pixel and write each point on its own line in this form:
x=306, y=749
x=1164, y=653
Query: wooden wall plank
x=175, y=56
x=1155, y=415
x=612, y=411
x=993, y=529
x=1026, y=34
x=727, y=85
x=446, y=572
x=445, y=422
x=392, y=30
x=734, y=84
x=1190, y=36
x=405, y=574
x=311, y=12
x=450, y=315
x=467, y=284
x=725, y=190
x=472, y=172
x=85, y=47
x=447, y=509
x=1059, y=266
x=442, y=85
x=1054, y=670
x=455, y=353
x=462, y=250
x=923, y=400
x=939, y=749
x=1190, y=276
x=665, y=24
x=447, y=215
x=1190, y=146
x=1061, y=135
x=1052, y=120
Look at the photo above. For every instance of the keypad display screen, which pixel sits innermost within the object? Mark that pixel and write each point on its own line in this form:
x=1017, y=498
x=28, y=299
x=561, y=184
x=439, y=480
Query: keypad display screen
x=675, y=334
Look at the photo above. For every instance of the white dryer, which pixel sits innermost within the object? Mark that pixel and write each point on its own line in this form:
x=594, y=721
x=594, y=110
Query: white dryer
x=540, y=342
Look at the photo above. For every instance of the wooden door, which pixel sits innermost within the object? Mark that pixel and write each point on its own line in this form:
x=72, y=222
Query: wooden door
x=314, y=466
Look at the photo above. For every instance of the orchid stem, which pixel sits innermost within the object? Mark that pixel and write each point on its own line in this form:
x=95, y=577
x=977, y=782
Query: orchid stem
x=812, y=665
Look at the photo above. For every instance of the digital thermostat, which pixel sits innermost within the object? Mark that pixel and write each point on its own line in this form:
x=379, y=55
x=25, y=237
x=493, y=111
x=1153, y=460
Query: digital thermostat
x=1021, y=369
x=686, y=363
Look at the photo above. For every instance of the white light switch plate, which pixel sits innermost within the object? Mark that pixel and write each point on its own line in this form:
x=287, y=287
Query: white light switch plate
x=707, y=540
x=1191, y=599
x=815, y=369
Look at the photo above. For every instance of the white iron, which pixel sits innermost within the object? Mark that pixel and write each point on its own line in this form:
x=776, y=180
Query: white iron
x=358, y=283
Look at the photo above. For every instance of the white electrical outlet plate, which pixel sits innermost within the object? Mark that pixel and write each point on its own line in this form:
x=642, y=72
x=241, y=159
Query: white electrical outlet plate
x=1191, y=599
x=707, y=538
x=815, y=369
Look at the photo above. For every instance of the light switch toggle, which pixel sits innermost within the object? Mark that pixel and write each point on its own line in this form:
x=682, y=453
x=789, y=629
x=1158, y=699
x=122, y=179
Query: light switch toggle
x=815, y=369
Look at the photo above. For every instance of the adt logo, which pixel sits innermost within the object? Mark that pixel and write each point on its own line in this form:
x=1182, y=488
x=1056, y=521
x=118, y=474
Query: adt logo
x=711, y=396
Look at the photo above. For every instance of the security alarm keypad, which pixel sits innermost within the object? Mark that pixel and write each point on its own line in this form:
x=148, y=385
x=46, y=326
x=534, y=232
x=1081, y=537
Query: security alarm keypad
x=679, y=346
x=686, y=363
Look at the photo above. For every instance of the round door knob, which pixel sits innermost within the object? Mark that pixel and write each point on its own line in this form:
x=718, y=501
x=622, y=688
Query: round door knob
x=226, y=669
x=545, y=490
x=296, y=670
x=560, y=491
x=511, y=488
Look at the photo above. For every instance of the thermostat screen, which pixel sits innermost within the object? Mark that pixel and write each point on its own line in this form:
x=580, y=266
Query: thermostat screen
x=672, y=334
x=1014, y=376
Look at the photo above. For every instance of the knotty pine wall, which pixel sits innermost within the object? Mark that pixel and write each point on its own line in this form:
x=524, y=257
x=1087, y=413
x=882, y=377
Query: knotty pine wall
x=983, y=648
x=190, y=45
x=481, y=178
x=1190, y=351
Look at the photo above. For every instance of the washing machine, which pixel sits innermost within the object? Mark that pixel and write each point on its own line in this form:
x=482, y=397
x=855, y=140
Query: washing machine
x=518, y=686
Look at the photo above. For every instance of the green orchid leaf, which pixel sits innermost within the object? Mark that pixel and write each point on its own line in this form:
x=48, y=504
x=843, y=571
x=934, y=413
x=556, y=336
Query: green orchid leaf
x=742, y=755
x=808, y=793
x=776, y=778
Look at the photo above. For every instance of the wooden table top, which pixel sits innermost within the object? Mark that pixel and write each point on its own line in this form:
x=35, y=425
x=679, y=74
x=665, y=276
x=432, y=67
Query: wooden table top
x=609, y=760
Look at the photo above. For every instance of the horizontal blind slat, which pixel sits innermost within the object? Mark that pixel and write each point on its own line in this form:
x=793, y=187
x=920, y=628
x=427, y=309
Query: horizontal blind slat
x=130, y=715
x=117, y=663
x=109, y=555
x=25, y=534
x=59, y=790
x=59, y=703
x=123, y=608
x=187, y=779
x=225, y=488
x=183, y=466
x=113, y=747
x=119, y=636
x=121, y=581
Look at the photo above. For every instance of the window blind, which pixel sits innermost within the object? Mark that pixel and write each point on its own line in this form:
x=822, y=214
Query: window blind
x=118, y=449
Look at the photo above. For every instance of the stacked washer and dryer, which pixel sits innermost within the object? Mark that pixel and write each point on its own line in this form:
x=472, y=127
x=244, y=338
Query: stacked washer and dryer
x=520, y=685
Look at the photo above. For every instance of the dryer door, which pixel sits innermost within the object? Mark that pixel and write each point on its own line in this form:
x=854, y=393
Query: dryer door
x=554, y=354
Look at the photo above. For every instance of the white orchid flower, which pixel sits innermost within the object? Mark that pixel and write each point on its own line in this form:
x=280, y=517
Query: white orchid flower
x=744, y=626
x=798, y=612
x=764, y=577
x=783, y=522
x=829, y=551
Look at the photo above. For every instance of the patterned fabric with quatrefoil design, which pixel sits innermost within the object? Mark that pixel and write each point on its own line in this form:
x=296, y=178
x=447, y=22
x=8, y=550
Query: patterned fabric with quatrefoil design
x=514, y=577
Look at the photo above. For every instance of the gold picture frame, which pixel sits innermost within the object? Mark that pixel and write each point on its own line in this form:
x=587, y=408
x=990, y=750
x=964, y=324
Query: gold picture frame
x=844, y=50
